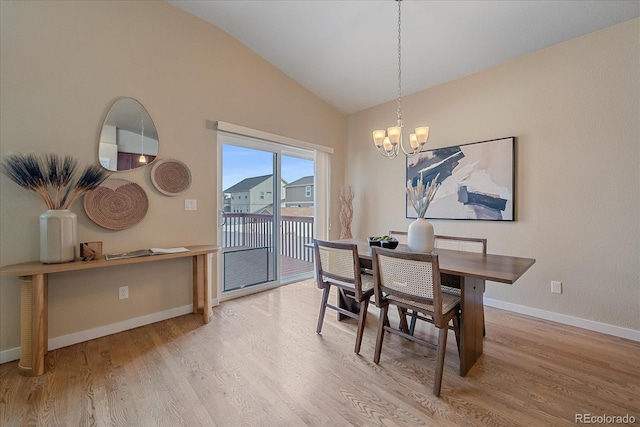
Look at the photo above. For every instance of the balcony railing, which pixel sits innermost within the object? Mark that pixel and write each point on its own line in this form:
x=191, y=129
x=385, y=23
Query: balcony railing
x=245, y=230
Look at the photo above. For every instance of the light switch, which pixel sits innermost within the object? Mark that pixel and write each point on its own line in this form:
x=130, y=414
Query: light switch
x=190, y=205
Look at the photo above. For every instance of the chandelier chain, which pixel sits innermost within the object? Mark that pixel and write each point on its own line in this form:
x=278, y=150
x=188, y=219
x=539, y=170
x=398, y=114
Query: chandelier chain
x=399, y=65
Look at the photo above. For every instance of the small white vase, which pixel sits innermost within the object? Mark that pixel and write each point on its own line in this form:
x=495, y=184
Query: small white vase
x=58, y=236
x=420, y=236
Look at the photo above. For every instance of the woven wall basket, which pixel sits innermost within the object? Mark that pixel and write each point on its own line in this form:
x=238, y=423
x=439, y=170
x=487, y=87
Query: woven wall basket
x=117, y=204
x=171, y=177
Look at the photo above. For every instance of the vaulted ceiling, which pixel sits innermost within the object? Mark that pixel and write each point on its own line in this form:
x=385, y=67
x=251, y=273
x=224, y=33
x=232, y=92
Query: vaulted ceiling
x=346, y=51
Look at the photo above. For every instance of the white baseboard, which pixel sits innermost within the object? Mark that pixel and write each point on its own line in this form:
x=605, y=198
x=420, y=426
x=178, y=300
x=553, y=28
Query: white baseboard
x=66, y=340
x=591, y=325
x=9, y=355
x=102, y=331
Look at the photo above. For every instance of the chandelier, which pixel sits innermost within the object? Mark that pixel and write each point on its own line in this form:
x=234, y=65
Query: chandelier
x=389, y=142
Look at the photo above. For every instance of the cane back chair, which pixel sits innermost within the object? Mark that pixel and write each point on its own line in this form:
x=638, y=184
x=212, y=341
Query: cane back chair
x=466, y=244
x=411, y=281
x=401, y=236
x=337, y=264
x=450, y=284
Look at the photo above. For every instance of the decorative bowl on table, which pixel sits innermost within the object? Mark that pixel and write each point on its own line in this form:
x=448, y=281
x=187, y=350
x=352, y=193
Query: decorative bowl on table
x=383, y=241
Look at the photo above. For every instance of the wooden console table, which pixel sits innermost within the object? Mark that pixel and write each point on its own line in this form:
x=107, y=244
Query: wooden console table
x=34, y=297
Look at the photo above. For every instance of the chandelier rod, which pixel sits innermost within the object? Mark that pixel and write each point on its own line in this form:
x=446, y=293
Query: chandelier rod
x=399, y=64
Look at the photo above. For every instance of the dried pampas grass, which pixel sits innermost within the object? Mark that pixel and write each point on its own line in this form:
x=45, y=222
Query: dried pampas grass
x=52, y=177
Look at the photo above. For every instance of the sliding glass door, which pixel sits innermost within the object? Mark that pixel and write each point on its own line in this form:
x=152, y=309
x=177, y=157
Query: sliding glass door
x=250, y=210
x=297, y=216
x=267, y=215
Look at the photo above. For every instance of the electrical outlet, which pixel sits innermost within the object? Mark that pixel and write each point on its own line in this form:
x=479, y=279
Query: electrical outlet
x=123, y=292
x=190, y=205
x=556, y=287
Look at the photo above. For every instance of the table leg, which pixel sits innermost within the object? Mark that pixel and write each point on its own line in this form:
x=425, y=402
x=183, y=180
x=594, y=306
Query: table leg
x=471, y=323
x=33, y=324
x=205, y=286
x=344, y=301
x=201, y=297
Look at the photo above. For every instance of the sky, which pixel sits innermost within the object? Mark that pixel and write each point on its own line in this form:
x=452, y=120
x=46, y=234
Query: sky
x=239, y=163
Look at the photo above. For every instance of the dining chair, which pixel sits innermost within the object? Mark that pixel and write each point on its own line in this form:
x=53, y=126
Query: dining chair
x=400, y=235
x=450, y=283
x=466, y=244
x=411, y=281
x=338, y=264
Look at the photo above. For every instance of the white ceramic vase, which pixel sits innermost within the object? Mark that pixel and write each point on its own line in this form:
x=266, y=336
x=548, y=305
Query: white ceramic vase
x=58, y=236
x=420, y=236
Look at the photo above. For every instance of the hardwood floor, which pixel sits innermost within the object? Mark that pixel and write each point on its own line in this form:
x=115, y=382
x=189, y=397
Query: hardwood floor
x=260, y=363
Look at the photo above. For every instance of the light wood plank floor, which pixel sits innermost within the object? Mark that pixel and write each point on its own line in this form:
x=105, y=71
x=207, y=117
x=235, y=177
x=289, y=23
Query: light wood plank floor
x=260, y=363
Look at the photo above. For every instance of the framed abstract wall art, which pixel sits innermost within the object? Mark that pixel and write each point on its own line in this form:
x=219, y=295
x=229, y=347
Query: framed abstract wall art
x=476, y=180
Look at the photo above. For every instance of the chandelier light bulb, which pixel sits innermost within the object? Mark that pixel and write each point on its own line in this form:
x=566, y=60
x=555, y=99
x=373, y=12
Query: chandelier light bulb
x=394, y=133
x=422, y=133
x=413, y=141
x=378, y=137
x=388, y=147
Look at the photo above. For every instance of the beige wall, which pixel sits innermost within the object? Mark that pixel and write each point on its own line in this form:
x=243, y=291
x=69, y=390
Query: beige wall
x=575, y=110
x=63, y=64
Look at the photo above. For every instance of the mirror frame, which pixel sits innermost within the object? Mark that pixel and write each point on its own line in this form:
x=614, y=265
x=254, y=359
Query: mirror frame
x=120, y=125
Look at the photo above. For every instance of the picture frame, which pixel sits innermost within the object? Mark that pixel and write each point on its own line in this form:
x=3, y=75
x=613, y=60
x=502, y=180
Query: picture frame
x=90, y=250
x=477, y=180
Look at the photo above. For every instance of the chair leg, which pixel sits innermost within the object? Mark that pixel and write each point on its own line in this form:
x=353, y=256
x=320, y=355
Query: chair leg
x=484, y=326
x=412, y=325
x=442, y=349
x=323, y=307
x=402, y=312
x=381, y=322
x=364, y=306
x=456, y=329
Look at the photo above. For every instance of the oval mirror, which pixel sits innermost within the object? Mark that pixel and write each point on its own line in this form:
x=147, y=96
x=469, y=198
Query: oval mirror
x=128, y=139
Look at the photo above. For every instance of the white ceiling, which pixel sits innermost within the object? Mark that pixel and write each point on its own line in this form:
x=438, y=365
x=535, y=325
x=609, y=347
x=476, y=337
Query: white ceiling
x=345, y=51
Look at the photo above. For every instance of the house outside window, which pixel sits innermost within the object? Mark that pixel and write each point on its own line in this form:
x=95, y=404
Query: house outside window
x=252, y=194
x=300, y=193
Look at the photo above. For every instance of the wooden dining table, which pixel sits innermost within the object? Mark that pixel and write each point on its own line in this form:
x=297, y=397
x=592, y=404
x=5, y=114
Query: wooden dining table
x=470, y=271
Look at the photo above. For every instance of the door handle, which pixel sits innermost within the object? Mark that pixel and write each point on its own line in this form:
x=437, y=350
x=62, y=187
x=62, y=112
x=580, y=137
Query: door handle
x=222, y=218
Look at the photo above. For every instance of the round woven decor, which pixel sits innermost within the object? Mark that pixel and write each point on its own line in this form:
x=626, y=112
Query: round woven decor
x=170, y=176
x=116, y=204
